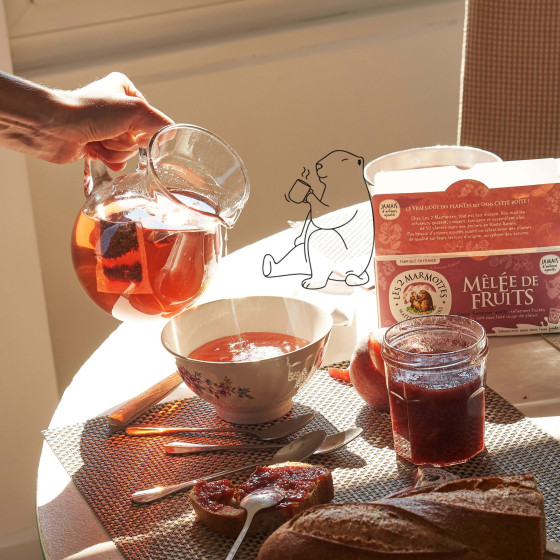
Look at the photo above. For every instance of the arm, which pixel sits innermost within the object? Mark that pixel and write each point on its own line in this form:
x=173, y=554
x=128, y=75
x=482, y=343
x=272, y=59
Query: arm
x=301, y=237
x=317, y=206
x=103, y=119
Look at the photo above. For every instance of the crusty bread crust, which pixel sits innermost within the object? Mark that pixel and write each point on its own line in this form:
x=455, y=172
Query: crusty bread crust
x=498, y=506
x=229, y=520
x=414, y=526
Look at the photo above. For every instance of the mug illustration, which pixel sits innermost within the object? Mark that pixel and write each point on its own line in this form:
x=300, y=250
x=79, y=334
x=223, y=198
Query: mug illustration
x=332, y=245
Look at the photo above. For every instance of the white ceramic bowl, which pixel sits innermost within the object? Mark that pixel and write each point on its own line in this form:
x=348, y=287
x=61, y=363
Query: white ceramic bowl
x=257, y=391
x=429, y=156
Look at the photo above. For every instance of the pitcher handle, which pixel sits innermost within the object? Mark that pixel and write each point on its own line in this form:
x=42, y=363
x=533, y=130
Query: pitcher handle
x=95, y=173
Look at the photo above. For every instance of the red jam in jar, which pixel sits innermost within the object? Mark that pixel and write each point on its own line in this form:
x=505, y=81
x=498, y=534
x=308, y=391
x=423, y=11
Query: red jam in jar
x=436, y=370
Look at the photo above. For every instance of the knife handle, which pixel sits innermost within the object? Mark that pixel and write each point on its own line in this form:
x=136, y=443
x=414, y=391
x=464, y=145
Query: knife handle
x=142, y=402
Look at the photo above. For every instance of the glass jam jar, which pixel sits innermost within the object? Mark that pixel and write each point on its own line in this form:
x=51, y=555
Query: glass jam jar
x=436, y=371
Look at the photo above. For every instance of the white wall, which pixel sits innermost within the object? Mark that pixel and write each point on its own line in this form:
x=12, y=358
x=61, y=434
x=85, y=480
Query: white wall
x=28, y=382
x=370, y=83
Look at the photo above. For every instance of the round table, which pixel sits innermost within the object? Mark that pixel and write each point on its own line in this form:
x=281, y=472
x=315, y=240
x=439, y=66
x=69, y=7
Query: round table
x=522, y=369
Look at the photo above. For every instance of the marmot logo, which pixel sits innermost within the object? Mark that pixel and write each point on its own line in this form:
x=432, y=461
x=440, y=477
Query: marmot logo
x=422, y=301
x=419, y=292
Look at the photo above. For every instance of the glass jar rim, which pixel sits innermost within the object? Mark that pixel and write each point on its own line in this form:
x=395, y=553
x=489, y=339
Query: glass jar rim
x=472, y=354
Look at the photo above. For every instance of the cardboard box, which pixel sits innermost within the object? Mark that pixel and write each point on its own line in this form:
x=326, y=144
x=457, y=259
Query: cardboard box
x=482, y=243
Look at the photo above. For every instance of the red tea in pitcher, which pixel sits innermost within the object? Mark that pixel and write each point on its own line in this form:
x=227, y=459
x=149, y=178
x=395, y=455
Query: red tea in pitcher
x=135, y=268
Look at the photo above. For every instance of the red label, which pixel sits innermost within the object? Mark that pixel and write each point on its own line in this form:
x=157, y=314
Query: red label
x=508, y=294
x=467, y=217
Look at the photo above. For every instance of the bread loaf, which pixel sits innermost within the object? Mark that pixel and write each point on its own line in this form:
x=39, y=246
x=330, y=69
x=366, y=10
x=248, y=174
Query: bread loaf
x=217, y=503
x=490, y=518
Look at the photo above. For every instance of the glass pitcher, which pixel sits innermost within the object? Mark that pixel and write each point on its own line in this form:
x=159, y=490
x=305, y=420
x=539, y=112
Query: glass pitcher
x=146, y=244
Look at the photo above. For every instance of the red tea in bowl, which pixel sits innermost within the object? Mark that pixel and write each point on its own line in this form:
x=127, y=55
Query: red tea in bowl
x=248, y=347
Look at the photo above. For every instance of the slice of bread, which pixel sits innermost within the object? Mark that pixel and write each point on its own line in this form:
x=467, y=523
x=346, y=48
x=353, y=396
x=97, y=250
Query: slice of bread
x=217, y=503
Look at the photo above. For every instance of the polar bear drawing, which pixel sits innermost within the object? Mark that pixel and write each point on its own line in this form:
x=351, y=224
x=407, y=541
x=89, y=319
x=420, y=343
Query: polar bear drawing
x=337, y=245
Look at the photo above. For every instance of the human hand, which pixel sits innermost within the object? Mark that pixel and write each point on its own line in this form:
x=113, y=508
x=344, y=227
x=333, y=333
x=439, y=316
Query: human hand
x=106, y=120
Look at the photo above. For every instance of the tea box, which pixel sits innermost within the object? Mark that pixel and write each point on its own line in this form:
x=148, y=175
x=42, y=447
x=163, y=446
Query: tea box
x=483, y=243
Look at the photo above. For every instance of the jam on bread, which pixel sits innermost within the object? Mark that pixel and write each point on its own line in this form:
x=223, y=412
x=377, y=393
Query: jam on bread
x=217, y=503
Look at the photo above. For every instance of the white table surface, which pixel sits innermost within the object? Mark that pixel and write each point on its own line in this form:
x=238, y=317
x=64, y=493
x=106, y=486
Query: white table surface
x=524, y=370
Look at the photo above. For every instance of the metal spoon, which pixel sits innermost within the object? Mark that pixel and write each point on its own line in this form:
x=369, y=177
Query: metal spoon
x=331, y=443
x=280, y=430
x=253, y=502
x=296, y=450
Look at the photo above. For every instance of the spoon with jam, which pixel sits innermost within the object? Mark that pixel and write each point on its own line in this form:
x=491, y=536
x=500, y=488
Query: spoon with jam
x=255, y=501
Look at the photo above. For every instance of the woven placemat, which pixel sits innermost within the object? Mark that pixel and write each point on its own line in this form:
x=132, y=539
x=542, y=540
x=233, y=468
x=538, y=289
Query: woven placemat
x=552, y=338
x=107, y=467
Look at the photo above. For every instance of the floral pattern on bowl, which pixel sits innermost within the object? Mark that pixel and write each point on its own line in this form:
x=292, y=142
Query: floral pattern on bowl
x=223, y=389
